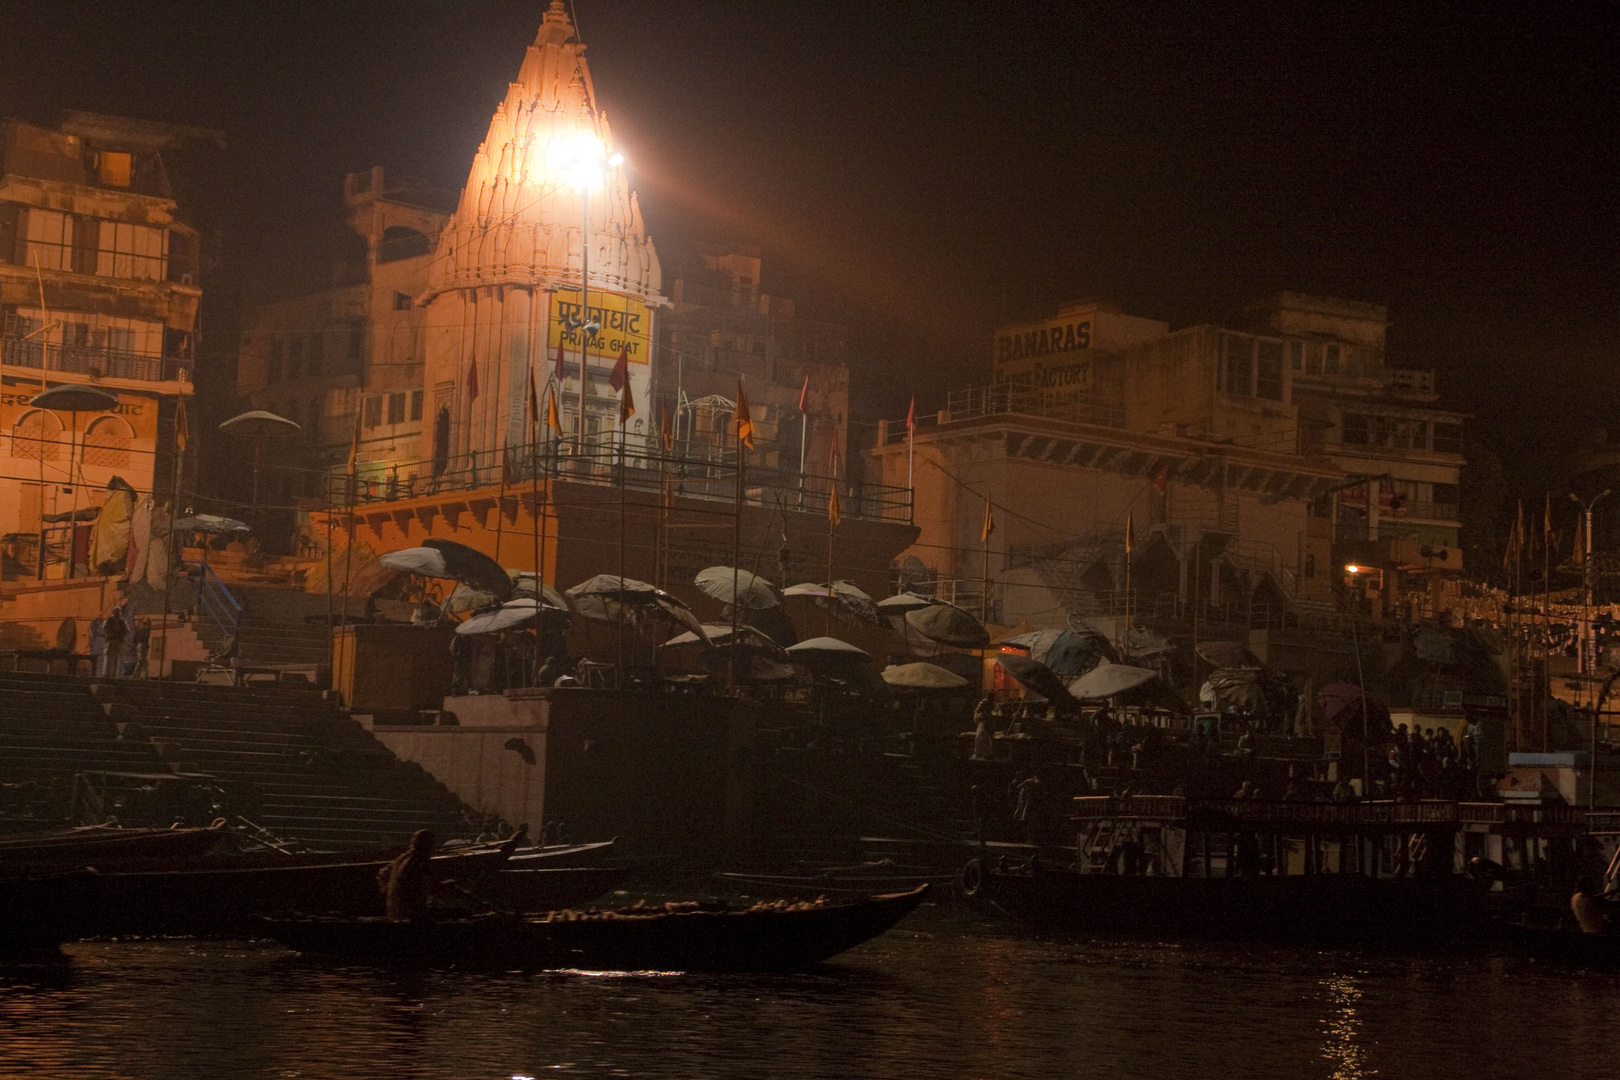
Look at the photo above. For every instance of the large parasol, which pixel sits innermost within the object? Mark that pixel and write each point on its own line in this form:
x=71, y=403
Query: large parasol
x=948, y=624
x=1226, y=655
x=901, y=603
x=1036, y=677
x=605, y=597
x=720, y=634
x=471, y=598
x=1067, y=652
x=508, y=615
x=845, y=595
x=1106, y=680
x=826, y=651
x=923, y=676
x=733, y=585
x=458, y=562
x=259, y=424
x=210, y=523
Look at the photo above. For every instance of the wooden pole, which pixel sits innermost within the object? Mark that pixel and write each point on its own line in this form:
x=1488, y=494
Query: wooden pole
x=736, y=558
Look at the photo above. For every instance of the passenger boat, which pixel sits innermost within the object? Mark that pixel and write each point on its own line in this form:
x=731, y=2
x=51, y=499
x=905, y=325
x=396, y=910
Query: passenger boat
x=862, y=879
x=104, y=846
x=1370, y=872
x=775, y=937
x=552, y=856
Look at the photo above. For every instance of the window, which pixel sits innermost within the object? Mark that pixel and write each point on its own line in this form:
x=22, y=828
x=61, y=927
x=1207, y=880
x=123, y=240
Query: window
x=1268, y=381
x=37, y=436
x=373, y=411
x=312, y=354
x=106, y=442
x=1310, y=566
x=416, y=404
x=396, y=408
x=295, y=357
x=1447, y=440
x=1238, y=376
x=1296, y=356
x=1313, y=358
x=1354, y=429
x=49, y=240
x=113, y=168
x=312, y=419
x=1330, y=358
x=402, y=301
x=272, y=368
x=355, y=346
x=132, y=251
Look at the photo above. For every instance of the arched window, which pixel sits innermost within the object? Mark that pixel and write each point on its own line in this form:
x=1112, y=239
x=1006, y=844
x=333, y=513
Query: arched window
x=400, y=242
x=106, y=442
x=38, y=436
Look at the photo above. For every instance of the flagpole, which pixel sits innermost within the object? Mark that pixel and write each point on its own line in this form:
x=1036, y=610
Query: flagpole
x=1125, y=638
x=1546, y=616
x=584, y=309
x=984, y=587
x=736, y=556
x=618, y=675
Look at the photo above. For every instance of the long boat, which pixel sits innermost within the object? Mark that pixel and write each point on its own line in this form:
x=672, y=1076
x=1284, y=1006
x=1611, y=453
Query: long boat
x=1564, y=946
x=775, y=937
x=1368, y=872
x=104, y=846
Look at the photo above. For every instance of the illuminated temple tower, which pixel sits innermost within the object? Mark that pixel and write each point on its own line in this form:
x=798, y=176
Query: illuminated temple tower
x=504, y=288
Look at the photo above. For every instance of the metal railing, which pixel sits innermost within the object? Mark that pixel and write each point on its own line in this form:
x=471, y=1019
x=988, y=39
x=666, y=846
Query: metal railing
x=1013, y=399
x=216, y=602
x=694, y=474
x=84, y=360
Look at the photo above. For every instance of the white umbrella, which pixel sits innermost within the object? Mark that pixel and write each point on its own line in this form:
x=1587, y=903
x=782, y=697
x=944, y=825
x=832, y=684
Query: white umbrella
x=923, y=676
x=719, y=633
x=471, y=598
x=602, y=597
x=458, y=562
x=901, y=603
x=826, y=648
x=1105, y=680
x=510, y=614
x=744, y=588
x=210, y=523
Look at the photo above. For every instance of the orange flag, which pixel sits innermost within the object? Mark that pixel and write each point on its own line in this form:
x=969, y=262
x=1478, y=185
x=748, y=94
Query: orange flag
x=553, y=421
x=745, y=422
x=627, y=405
x=834, y=511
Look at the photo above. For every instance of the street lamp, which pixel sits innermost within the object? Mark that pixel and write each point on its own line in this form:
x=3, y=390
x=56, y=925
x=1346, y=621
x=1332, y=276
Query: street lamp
x=581, y=162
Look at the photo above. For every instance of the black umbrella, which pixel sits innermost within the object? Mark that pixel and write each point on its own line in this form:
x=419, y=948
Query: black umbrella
x=458, y=562
x=948, y=625
x=1037, y=677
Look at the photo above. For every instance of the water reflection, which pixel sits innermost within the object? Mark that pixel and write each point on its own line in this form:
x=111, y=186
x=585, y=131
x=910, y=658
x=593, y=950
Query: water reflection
x=947, y=995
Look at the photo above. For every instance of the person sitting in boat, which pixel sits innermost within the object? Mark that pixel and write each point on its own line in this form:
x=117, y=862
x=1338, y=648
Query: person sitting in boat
x=407, y=882
x=1594, y=910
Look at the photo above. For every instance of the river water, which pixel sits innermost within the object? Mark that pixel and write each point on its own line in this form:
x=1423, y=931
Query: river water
x=949, y=993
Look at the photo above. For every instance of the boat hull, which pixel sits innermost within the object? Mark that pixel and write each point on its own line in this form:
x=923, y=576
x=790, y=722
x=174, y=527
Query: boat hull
x=1567, y=947
x=755, y=940
x=1319, y=907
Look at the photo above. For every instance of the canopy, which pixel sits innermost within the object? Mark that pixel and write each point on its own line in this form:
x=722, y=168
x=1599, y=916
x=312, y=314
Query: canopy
x=1106, y=680
x=923, y=676
x=458, y=562
x=1227, y=654
x=1066, y=652
x=1339, y=703
x=71, y=398
x=510, y=614
x=258, y=424
x=605, y=597
x=1035, y=676
x=1263, y=695
x=210, y=523
x=845, y=594
x=901, y=603
x=720, y=634
x=826, y=649
x=948, y=625
x=470, y=598
x=733, y=585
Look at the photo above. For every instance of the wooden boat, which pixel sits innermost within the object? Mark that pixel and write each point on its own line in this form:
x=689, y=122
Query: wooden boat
x=1561, y=945
x=221, y=894
x=523, y=891
x=104, y=846
x=686, y=937
x=562, y=855
x=39, y=913
x=863, y=879
x=1234, y=868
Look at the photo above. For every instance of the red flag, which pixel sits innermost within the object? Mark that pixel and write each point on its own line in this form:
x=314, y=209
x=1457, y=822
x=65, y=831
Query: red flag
x=472, y=380
x=1161, y=479
x=804, y=394
x=911, y=417
x=559, y=361
x=621, y=371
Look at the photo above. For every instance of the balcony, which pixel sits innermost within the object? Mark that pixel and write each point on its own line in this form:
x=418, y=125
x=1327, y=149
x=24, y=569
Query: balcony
x=93, y=362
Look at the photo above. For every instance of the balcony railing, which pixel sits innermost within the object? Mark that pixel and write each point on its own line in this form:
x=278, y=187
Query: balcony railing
x=84, y=360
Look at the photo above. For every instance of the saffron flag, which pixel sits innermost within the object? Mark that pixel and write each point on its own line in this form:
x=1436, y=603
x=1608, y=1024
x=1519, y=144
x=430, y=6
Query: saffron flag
x=180, y=425
x=834, y=511
x=745, y=422
x=621, y=371
x=472, y=380
x=911, y=418
x=627, y=405
x=553, y=421
x=559, y=361
x=1130, y=533
x=804, y=394
x=665, y=432
x=989, y=523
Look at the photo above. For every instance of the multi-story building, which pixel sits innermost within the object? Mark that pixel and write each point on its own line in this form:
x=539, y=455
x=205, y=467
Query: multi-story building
x=98, y=285
x=721, y=328
x=354, y=352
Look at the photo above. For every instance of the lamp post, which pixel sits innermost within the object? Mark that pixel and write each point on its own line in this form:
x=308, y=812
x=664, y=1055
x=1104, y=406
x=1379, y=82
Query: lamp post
x=582, y=162
x=1586, y=505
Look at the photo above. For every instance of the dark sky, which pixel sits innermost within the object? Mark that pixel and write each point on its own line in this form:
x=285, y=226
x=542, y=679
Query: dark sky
x=923, y=170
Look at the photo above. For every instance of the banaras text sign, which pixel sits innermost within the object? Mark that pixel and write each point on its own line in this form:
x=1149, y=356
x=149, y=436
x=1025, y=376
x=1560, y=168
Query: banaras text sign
x=1054, y=354
x=625, y=326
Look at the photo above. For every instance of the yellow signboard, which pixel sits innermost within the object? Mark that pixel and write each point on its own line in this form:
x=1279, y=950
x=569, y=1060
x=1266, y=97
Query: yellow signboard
x=1054, y=354
x=624, y=325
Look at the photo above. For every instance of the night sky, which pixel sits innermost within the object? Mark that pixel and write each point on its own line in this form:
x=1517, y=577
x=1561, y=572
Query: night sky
x=922, y=171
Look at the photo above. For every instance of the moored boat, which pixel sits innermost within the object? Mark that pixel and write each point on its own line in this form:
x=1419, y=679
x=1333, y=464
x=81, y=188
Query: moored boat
x=686, y=937
x=1565, y=946
x=104, y=846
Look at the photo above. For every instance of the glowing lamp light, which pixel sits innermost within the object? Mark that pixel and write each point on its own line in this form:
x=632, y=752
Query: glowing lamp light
x=580, y=160
x=1352, y=568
